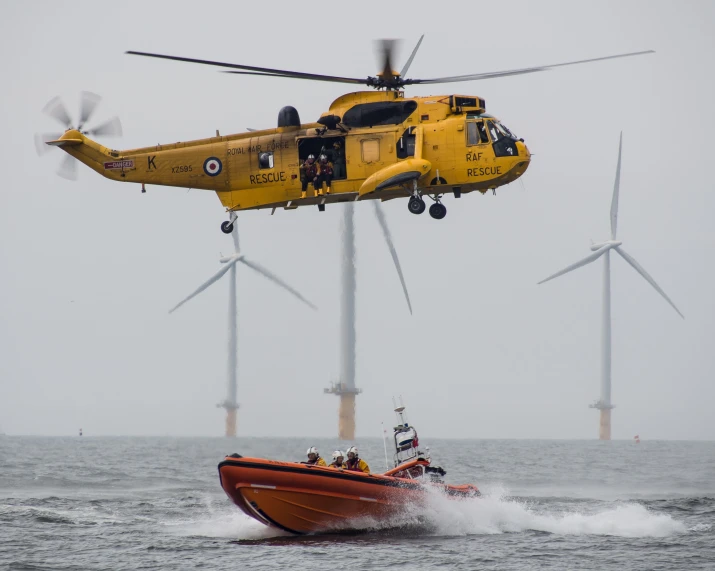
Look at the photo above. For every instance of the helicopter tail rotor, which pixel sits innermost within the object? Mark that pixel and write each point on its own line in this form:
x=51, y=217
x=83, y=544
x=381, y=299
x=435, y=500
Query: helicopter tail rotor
x=56, y=109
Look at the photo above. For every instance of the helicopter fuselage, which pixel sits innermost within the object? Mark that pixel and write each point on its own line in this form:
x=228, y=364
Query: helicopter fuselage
x=392, y=147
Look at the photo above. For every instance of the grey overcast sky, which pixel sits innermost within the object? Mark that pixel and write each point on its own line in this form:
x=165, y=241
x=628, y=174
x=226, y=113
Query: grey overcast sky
x=89, y=269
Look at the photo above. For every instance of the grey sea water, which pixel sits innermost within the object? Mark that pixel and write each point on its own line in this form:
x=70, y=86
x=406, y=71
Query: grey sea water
x=155, y=503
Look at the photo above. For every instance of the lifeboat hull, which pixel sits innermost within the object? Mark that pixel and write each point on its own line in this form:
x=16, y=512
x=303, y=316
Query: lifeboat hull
x=302, y=499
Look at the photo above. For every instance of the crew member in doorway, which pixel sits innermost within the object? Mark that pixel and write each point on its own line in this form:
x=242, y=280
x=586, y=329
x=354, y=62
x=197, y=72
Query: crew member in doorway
x=314, y=458
x=325, y=173
x=338, y=460
x=338, y=161
x=308, y=173
x=354, y=463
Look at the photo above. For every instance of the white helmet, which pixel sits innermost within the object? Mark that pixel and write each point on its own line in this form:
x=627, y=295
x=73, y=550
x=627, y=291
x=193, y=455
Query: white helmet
x=338, y=454
x=323, y=158
x=311, y=157
x=354, y=450
x=312, y=450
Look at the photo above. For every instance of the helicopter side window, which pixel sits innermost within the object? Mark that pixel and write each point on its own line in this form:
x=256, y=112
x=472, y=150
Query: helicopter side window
x=265, y=160
x=476, y=133
x=370, y=150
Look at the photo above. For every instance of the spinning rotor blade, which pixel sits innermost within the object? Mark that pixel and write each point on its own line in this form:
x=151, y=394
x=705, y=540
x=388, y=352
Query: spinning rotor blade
x=42, y=138
x=408, y=63
x=380, y=214
x=57, y=110
x=587, y=260
x=637, y=267
x=87, y=106
x=111, y=128
x=217, y=276
x=260, y=70
x=616, y=186
x=68, y=168
x=386, y=49
x=275, y=279
x=518, y=71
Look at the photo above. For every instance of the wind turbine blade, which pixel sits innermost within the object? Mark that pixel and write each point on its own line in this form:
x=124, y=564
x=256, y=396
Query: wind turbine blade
x=380, y=214
x=637, y=267
x=217, y=276
x=616, y=188
x=234, y=235
x=408, y=63
x=275, y=279
x=587, y=260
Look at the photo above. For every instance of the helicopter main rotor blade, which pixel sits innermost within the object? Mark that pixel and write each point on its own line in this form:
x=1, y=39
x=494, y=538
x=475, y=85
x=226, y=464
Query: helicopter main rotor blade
x=57, y=110
x=263, y=70
x=111, y=128
x=408, y=63
x=87, y=106
x=68, y=168
x=386, y=48
x=521, y=71
x=311, y=77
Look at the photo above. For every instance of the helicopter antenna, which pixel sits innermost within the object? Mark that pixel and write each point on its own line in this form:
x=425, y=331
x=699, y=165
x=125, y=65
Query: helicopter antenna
x=408, y=63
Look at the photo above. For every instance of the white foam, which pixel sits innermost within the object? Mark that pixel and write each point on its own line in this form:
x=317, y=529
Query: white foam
x=495, y=513
x=222, y=520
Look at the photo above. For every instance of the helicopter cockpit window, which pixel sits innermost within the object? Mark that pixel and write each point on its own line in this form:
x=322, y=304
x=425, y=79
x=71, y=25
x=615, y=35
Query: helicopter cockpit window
x=494, y=132
x=265, y=160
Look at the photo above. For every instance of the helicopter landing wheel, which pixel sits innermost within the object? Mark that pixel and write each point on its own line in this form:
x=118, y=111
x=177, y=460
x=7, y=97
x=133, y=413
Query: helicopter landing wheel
x=438, y=211
x=227, y=226
x=416, y=205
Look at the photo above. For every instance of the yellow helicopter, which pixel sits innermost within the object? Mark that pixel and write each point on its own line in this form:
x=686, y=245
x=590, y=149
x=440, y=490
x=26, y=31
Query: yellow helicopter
x=376, y=145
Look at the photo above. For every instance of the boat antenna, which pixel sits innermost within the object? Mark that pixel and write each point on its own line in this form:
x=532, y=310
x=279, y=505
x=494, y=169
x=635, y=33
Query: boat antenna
x=384, y=443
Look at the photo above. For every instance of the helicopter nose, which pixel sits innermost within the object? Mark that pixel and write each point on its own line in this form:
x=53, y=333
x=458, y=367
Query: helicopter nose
x=523, y=149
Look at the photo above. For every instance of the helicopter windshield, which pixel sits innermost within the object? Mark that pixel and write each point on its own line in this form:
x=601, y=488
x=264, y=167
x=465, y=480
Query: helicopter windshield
x=499, y=131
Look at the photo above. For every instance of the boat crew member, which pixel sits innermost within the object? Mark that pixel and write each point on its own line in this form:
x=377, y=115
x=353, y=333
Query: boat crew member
x=338, y=158
x=314, y=458
x=325, y=173
x=354, y=463
x=338, y=460
x=308, y=174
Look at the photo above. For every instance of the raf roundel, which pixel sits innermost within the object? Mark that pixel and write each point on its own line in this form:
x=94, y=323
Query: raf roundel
x=212, y=166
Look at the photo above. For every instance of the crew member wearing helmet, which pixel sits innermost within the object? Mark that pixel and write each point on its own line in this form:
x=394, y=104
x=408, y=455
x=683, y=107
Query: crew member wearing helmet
x=354, y=463
x=308, y=174
x=325, y=173
x=314, y=458
x=338, y=460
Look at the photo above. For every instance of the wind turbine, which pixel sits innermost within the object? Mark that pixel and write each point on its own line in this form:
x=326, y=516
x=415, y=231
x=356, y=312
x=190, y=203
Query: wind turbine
x=345, y=388
x=230, y=404
x=604, y=404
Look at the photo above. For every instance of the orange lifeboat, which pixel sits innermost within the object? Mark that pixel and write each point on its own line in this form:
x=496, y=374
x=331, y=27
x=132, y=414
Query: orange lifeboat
x=303, y=498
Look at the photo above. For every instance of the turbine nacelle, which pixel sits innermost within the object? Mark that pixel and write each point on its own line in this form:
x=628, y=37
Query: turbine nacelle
x=608, y=243
x=229, y=259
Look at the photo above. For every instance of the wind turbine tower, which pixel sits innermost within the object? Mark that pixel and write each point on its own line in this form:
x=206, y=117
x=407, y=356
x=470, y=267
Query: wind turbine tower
x=230, y=403
x=345, y=388
x=605, y=404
